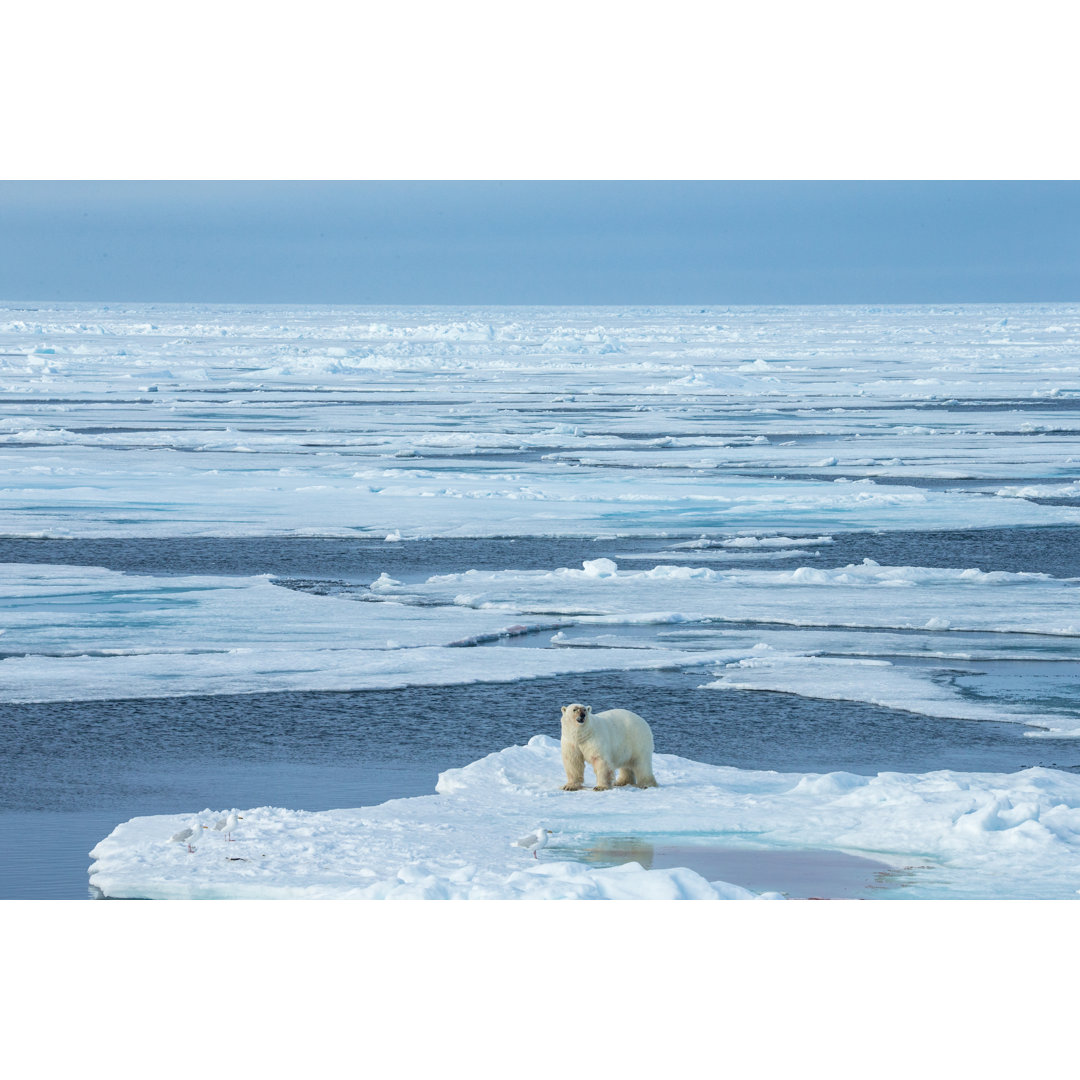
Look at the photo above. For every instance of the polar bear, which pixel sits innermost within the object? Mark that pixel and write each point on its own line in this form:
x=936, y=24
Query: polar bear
x=615, y=739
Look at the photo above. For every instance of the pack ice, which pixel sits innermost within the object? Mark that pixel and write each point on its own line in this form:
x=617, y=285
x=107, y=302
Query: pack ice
x=189, y=420
x=744, y=442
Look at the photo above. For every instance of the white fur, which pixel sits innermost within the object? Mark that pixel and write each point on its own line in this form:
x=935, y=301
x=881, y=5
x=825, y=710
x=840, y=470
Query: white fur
x=613, y=740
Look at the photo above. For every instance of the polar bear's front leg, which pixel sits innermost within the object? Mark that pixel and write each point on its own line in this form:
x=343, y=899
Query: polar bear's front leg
x=574, y=763
x=604, y=775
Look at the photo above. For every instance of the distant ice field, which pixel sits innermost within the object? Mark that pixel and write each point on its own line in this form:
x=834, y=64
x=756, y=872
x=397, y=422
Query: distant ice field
x=797, y=539
x=161, y=420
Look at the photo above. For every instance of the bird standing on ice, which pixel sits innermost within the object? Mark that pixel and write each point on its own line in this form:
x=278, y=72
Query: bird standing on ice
x=227, y=824
x=184, y=836
x=537, y=839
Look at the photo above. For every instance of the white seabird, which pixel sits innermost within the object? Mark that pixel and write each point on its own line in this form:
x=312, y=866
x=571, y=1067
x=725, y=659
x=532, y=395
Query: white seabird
x=537, y=839
x=184, y=837
x=228, y=823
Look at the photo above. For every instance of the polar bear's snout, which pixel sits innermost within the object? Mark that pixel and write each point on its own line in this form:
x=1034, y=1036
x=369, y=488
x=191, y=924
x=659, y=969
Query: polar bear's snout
x=580, y=713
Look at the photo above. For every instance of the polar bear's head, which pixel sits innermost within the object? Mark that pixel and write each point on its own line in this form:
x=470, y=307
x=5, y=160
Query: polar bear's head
x=576, y=714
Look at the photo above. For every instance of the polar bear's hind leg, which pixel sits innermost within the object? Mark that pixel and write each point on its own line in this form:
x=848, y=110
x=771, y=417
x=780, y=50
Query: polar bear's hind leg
x=626, y=776
x=642, y=770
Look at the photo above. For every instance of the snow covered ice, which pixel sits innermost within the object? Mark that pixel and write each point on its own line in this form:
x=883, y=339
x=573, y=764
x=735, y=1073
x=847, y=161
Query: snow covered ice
x=944, y=834
x=236, y=421
x=718, y=459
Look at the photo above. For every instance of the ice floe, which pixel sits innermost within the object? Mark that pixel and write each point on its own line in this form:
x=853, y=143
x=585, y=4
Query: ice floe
x=941, y=834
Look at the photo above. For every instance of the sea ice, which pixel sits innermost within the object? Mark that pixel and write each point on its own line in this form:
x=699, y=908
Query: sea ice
x=180, y=420
x=945, y=834
x=732, y=432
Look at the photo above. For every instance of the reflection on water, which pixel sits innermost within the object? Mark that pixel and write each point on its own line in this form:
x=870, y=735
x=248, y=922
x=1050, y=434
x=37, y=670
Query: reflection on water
x=797, y=873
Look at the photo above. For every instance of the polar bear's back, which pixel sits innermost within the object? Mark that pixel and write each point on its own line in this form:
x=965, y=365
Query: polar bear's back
x=633, y=728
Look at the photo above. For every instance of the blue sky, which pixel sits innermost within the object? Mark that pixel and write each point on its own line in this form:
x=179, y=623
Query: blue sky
x=543, y=242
